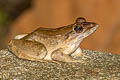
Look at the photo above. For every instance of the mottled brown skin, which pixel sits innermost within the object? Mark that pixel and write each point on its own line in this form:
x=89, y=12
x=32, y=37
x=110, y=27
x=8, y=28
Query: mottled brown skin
x=58, y=44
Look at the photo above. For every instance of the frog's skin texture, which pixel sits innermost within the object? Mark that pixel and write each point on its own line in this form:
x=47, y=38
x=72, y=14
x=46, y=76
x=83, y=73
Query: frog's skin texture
x=58, y=44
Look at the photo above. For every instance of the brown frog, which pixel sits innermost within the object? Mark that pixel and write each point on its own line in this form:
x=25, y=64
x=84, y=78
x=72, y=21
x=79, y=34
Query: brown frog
x=45, y=44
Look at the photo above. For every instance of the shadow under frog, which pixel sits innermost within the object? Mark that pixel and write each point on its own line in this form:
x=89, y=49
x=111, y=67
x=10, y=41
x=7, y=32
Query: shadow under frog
x=45, y=44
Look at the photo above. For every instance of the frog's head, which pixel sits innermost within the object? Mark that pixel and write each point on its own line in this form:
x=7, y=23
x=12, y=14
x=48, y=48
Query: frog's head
x=82, y=28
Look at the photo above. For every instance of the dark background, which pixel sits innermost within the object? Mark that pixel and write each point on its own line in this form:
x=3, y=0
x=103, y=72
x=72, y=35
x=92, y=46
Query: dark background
x=23, y=16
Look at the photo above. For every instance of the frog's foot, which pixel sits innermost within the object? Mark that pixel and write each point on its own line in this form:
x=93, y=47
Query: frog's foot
x=40, y=60
x=79, y=53
x=36, y=59
x=53, y=61
x=30, y=58
x=59, y=56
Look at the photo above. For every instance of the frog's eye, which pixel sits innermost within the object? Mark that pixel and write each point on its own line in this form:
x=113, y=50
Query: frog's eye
x=78, y=28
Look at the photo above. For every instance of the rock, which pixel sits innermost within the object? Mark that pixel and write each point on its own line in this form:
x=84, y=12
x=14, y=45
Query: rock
x=98, y=66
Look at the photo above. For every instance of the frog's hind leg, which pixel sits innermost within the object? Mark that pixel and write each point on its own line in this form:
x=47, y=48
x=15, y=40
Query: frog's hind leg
x=27, y=49
x=58, y=55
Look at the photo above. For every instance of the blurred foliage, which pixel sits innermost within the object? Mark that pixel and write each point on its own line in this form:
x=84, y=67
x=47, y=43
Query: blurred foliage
x=4, y=18
x=14, y=7
x=9, y=11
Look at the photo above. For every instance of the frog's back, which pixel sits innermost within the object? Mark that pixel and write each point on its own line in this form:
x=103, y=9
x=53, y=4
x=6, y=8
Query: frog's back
x=49, y=37
x=53, y=31
x=48, y=33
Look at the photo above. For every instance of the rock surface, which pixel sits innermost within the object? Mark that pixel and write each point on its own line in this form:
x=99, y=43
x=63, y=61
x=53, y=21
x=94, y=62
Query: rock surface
x=98, y=66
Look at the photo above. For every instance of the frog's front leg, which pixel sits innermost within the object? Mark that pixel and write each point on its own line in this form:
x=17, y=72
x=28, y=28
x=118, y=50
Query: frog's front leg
x=79, y=53
x=25, y=49
x=58, y=55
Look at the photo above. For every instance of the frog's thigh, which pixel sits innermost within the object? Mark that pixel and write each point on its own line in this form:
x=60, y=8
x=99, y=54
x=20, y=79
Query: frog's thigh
x=58, y=55
x=20, y=36
x=26, y=49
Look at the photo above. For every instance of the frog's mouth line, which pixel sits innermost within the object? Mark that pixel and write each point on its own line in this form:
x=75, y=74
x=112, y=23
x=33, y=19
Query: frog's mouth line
x=90, y=31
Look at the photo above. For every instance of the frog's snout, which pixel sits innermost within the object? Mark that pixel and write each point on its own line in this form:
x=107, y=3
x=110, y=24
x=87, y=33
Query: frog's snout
x=93, y=24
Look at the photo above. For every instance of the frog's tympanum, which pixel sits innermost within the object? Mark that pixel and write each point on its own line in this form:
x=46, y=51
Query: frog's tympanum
x=45, y=44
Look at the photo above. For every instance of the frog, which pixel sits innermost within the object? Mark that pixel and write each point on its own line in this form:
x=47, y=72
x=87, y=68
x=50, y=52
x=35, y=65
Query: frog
x=53, y=44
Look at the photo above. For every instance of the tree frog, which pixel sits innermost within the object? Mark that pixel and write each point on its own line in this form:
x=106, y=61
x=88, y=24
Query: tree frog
x=57, y=44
